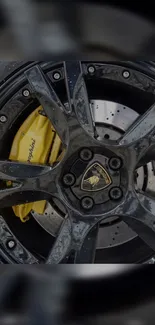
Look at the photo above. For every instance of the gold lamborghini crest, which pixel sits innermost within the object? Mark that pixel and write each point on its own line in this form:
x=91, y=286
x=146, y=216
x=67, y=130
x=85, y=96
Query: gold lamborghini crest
x=95, y=178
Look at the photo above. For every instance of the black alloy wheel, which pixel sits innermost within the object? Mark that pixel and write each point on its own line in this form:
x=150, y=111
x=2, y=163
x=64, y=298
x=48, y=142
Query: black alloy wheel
x=96, y=182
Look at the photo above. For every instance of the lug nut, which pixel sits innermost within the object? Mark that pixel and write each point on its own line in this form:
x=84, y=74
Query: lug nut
x=57, y=75
x=91, y=69
x=115, y=193
x=87, y=203
x=3, y=118
x=11, y=244
x=86, y=154
x=126, y=74
x=26, y=93
x=115, y=163
x=69, y=179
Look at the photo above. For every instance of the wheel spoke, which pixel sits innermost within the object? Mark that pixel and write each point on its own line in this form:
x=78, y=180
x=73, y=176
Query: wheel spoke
x=62, y=244
x=19, y=195
x=77, y=95
x=88, y=250
x=77, y=236
x=70, y=238
x=18, y=171
x=27, y=183
x=138, y=213
x=144, y=126
x=49, y=100
x=149, y=156
x=140, y=136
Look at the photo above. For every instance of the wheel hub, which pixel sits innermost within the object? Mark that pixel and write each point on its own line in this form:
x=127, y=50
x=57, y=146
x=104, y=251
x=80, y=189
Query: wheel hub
x=99, y=178
x=94, y=178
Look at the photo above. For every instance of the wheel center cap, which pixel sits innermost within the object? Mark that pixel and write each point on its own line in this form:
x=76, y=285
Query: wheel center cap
x=94, y=181
x=95, y=178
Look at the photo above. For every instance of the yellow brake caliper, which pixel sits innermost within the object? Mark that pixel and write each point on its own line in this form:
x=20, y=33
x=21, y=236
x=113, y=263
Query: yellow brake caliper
x=35, y=142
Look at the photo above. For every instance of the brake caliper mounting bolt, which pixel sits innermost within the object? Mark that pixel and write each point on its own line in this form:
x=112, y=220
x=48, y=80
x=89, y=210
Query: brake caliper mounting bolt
x=91, y=69
x=115, y=163
x=11, y=244
x=87, y=203
x=115, y=193
x=26, y=93
x=3, y=118
x=69, y=179
x=126, y=74
x=56, y=75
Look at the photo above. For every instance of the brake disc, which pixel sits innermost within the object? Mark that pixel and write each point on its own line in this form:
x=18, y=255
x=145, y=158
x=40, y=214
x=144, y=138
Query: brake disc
x=50, y=220
x=116, y=119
